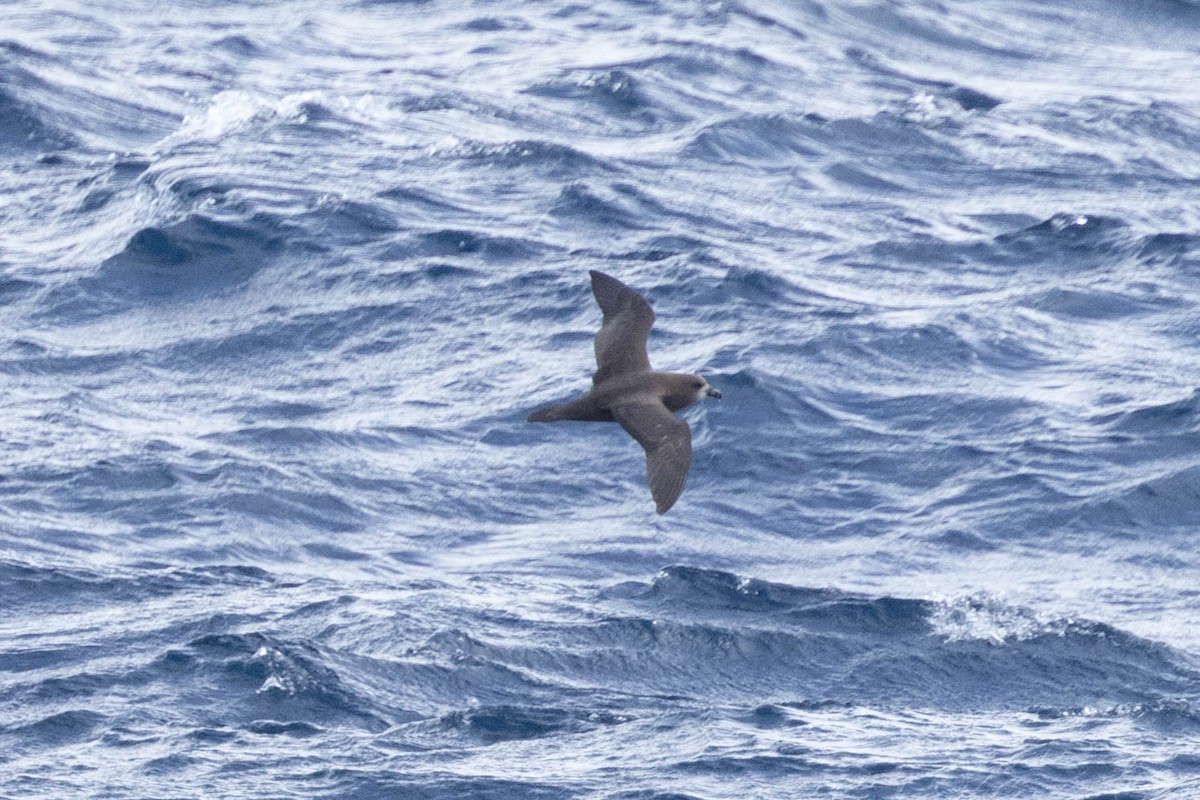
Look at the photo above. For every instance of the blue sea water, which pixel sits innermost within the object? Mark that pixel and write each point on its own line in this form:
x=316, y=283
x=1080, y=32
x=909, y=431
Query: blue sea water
x=280, y=282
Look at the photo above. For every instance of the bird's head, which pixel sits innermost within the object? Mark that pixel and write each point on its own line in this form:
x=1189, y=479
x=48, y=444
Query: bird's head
x=680, y=390
x=702, y=389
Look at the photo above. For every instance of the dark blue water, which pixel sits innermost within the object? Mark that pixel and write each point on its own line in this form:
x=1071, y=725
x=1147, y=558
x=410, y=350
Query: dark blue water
x=279, y=283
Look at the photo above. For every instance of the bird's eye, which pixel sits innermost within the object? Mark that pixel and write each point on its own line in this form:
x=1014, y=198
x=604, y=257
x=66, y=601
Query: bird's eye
x=698, y=384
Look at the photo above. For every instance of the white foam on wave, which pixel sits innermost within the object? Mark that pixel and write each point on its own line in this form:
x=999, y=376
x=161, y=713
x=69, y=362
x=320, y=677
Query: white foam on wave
x=986, y=618
x=230, y=111
x=226, y=112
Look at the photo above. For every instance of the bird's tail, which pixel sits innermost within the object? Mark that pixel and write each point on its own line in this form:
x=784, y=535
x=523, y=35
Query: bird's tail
x=546, y=415
x=584, y=409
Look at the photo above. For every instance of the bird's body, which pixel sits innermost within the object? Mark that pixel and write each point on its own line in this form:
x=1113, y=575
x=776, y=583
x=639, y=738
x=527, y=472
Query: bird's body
x=626, y=390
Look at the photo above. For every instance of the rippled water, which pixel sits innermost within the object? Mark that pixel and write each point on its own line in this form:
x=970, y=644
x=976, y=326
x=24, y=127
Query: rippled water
x=280, y=282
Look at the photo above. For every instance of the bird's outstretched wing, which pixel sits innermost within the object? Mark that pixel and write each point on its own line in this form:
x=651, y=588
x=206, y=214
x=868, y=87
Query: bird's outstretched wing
x=621, y=342
x=667, y=441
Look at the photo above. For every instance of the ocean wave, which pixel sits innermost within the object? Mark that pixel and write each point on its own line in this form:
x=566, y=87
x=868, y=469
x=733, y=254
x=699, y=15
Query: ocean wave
x=280, y=290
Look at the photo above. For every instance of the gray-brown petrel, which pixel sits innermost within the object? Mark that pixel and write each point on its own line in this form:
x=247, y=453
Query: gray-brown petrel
x=627, y=391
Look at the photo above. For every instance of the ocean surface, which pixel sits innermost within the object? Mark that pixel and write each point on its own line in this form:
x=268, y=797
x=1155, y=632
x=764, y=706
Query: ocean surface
x=280, y=282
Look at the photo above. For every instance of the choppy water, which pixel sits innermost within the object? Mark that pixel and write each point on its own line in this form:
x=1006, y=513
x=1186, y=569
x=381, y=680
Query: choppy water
x=279, y=283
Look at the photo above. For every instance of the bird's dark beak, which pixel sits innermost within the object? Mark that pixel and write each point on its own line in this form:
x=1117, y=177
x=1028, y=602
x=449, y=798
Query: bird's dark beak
x=713, y=393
